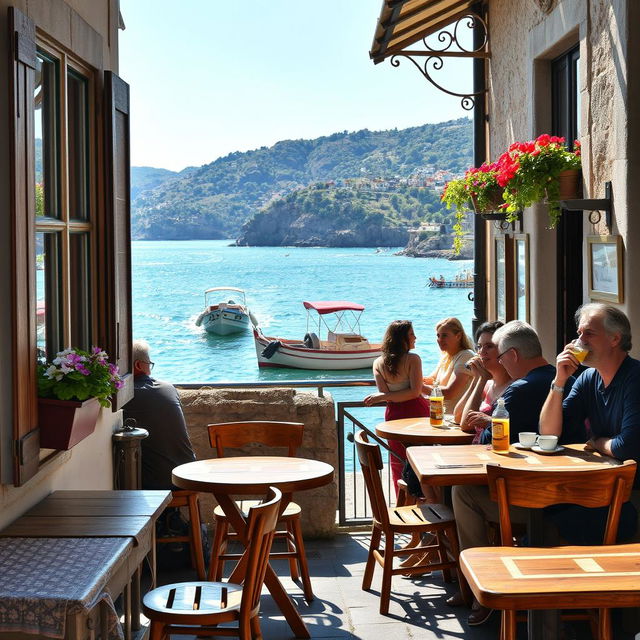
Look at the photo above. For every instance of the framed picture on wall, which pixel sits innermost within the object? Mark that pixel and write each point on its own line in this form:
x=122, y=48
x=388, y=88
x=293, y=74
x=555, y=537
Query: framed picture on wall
x=605, y=268
x=521, y=276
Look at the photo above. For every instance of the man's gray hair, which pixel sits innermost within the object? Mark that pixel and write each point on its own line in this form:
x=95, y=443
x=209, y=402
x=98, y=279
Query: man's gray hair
x=520, y=336
x=141, y=350
x=614, y=320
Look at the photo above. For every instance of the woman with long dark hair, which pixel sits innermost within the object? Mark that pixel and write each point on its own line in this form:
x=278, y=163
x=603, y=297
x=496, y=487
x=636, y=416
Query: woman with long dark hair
x=398, y=376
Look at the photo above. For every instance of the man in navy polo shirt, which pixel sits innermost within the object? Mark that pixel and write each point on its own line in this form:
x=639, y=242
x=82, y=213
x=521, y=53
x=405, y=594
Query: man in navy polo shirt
x=605, y=398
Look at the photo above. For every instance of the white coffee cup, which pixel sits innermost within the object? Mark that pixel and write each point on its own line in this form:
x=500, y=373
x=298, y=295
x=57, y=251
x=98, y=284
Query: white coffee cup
x=527, y=438
x=548, y=443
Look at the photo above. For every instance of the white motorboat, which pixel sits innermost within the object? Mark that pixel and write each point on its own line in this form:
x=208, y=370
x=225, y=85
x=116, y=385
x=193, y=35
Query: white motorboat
x=225, y=311
x=343, y=347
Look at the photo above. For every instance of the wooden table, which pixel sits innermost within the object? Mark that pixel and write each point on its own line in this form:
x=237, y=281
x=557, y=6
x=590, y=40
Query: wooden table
x=100, y=514
x=579, y=576
x=467, y=464
x=251, y=475
x=412, y=431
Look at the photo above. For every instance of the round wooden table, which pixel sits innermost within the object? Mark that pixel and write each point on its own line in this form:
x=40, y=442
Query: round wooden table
x=419, y=431
x=253, y=475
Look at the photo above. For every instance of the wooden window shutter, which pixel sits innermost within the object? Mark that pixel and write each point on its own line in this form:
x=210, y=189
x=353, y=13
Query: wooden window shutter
x=116, y=261
x=22, y=36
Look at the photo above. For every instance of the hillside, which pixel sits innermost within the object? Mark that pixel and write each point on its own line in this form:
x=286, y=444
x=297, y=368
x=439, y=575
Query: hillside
x=326, y=215
x=217, y=199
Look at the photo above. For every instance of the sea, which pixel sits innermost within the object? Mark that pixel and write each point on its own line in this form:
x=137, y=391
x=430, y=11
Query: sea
x=170, y=277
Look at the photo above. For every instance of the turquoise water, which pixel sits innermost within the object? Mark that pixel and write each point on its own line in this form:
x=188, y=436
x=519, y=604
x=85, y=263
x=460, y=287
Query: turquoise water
x=169, y=279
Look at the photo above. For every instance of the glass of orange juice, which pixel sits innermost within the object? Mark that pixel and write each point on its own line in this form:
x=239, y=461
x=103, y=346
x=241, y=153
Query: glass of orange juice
x=579, y=350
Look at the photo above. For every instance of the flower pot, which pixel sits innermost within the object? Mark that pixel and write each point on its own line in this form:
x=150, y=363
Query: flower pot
x=569, y=183
x=494, y=198
x=64, y=423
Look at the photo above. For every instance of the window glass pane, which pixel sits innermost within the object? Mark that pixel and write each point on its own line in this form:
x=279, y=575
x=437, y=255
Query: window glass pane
x=501, y=296
x=80, y=294
x=576, y=75
x=46, y=143
x=48, y=287
x=521, y=279
x=78, y=145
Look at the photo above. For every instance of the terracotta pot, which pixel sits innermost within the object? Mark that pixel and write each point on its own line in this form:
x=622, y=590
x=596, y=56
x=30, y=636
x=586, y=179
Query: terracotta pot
x=64, y=423
x=570, y=184
x=495, y=200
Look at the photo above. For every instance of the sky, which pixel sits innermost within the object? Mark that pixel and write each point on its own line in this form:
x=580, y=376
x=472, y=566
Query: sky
x=210, y=77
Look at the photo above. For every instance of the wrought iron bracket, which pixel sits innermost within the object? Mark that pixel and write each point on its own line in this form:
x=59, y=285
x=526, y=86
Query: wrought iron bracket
x=432, y=58
x=595, y=206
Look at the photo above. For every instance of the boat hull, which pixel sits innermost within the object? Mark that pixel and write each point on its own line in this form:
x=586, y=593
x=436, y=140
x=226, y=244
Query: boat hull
x=223, y=322
x=295, y=355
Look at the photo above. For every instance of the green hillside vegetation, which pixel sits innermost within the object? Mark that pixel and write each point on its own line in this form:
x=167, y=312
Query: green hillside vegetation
x=217, y=199
x=322, y=215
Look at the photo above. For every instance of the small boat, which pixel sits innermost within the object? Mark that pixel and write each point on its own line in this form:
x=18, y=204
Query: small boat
x=462, y=280
x=343, y=348
x=225, y=311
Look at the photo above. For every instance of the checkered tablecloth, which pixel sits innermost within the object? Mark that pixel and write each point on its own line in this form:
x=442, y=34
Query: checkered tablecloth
x=42, y=580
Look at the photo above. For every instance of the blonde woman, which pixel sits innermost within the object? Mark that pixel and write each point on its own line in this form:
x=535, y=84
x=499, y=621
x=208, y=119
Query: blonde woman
x=451, y=374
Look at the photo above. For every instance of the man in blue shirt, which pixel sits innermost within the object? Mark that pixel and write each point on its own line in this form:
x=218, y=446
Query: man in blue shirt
x=605, y=397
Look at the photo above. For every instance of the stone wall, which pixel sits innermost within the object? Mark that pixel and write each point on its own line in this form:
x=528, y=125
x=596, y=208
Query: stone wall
x=206, y=406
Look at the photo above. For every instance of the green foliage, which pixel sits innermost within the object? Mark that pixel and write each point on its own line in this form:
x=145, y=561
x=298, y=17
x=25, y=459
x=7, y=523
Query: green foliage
x=215, y=200
x=79, y=375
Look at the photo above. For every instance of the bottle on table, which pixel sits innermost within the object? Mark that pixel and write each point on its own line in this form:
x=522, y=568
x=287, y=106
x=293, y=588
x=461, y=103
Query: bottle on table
x=500, y=428
x=436, y=406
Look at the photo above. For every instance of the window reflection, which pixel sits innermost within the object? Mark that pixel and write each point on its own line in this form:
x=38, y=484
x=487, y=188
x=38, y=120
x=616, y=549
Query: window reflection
x=80, y=290
x=46, y=146
x=48, y=303
x=77, y=125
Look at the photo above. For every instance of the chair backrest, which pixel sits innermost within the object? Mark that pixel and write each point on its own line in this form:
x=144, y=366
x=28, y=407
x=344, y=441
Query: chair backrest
x=261, y=526
x=533, y=488
x=269, y=433
x=371, y=464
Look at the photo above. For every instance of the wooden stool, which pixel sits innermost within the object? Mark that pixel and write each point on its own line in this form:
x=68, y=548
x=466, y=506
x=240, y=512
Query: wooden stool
x=189, y=499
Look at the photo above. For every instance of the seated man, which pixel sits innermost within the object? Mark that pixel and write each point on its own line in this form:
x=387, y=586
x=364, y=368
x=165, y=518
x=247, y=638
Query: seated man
x=156, y=407
x=605, y=397
x=521, y=355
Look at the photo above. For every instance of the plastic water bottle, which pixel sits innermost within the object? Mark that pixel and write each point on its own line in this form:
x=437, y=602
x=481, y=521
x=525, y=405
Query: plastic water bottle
x=500, y=428
x=436, y=406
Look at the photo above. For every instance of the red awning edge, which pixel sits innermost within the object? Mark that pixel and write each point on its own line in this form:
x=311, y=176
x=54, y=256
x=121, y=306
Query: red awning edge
x=332, y=306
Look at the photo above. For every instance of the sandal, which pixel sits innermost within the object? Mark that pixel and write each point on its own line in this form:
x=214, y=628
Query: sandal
x=479, y=615
x=456, y=600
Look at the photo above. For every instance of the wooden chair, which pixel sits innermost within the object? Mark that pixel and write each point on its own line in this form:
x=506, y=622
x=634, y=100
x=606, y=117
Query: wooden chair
x=173, y=608
x=532, y=488
x=271, y=434
x=391, y=522
x=189, y=499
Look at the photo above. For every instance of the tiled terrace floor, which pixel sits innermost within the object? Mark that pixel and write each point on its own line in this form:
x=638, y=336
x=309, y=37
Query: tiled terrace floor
x=343, y=611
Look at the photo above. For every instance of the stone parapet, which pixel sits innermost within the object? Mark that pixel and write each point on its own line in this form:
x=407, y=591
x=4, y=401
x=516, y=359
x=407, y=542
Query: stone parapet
x=205, y=406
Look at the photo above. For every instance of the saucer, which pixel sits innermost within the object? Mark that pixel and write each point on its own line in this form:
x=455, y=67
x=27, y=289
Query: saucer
x=519, y=445
x=538, y=449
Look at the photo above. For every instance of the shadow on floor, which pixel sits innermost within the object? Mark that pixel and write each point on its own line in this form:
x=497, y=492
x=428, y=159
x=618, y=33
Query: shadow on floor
x=341, y=610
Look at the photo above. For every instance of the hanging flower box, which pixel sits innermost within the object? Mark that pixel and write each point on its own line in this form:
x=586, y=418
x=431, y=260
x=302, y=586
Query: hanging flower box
x=570, y=185
x=64, y=423
x=72, y=388
x=491, y=201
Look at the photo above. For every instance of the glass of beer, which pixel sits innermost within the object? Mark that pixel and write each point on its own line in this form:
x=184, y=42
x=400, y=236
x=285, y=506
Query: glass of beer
x=579, y=350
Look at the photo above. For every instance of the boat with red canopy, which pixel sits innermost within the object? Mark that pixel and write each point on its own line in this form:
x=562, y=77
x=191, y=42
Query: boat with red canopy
x=342, y=346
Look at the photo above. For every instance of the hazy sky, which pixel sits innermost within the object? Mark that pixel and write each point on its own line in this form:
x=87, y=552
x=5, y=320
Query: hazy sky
x=209, y=77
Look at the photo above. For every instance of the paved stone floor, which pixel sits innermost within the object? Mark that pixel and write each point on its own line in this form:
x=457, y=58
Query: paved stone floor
x=341, y=610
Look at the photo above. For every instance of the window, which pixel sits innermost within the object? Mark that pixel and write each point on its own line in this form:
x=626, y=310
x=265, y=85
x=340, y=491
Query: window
x=70, y=215
x=64, y=211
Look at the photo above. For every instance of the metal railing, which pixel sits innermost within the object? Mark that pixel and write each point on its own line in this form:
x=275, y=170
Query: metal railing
x=353, y=504
x=320, y=385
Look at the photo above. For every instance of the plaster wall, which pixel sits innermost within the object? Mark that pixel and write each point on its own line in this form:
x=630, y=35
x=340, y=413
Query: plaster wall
x=89, y=28
x=524, y=41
